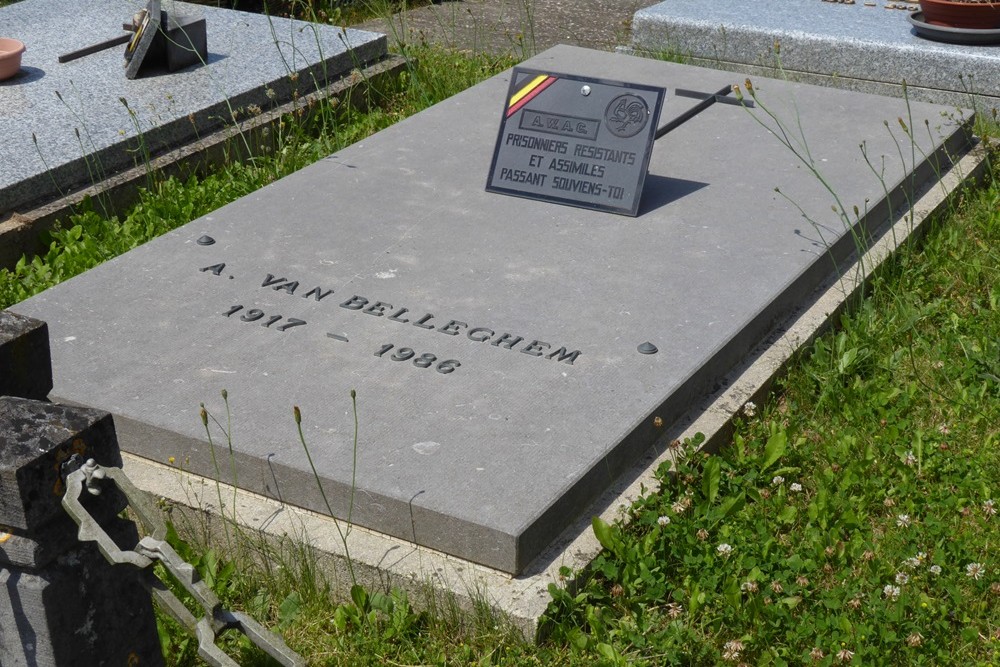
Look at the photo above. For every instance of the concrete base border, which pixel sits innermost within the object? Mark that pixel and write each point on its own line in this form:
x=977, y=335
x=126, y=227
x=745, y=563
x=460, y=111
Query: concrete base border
x=383, y=562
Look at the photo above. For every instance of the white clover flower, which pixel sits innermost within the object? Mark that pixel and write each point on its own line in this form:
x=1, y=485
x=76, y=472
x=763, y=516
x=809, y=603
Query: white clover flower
x=674, y=610
x=912, y=563
x=731, y=650
x=902, y=578
x=678, y=507
x=921, y=556
x=989, y=509
x=903, y=520
x=910, y=459
x=724, y=549
x=778, y=480
x=749, y=408
x=844, y=655
x=890, y=591
x=935, y=569
x=795, y=487
x=974, y=570
x=663, y=520
x=749, y=587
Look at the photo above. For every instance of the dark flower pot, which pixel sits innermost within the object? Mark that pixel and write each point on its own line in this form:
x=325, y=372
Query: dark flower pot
x=955, y=14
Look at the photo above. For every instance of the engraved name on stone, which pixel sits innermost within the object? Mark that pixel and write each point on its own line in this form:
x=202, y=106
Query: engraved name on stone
x=403, y=315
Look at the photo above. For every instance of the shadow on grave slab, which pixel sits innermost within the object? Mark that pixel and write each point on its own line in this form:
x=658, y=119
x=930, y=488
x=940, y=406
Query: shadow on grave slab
x=25, y=75
x=661, y=190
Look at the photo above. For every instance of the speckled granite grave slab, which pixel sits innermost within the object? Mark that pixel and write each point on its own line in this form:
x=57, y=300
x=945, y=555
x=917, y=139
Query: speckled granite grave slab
x=862, y=46
x=65, y=126
x=494, y=342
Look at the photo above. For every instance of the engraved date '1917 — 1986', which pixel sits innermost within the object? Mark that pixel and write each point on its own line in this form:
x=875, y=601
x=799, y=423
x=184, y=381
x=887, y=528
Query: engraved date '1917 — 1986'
x=255, y=315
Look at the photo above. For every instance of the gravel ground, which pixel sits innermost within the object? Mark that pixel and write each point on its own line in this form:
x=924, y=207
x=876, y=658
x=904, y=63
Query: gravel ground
x=519, y=27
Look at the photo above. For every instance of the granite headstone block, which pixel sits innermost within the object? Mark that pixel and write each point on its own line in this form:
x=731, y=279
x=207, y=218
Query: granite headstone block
x=61, y=602
x=78, y=610
x=186, y=41
x=36, y=548
x=25, y=362
x=69, y=125
x=36, y=439
x=859, y=46
x=498, y=345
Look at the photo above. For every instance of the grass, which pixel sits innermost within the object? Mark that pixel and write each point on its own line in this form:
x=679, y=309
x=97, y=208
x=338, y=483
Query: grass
x=854, y=515
x=851, y=520
x=334, y=12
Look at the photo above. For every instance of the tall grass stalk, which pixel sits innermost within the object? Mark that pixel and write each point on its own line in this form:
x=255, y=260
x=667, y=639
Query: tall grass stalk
x=342, y=532
x=218, y=474
x=798, y=146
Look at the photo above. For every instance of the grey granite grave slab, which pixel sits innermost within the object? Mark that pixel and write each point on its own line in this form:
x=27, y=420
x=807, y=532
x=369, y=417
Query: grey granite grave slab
x=70, y=125
x=861, y=46
x=543, y=306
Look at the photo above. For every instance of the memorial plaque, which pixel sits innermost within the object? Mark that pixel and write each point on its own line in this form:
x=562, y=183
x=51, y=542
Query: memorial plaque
x=510, y=357
x=145, y=35
x=575, y=140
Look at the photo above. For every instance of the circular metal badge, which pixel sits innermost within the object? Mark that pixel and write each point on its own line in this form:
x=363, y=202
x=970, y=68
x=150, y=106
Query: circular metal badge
x=626, y=115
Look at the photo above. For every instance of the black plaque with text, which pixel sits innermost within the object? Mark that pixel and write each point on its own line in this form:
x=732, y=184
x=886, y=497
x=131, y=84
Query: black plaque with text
x=575, y=140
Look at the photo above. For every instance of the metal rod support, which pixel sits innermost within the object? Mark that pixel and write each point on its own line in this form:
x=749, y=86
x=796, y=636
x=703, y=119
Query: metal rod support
x=708, y=100
x=94, y=48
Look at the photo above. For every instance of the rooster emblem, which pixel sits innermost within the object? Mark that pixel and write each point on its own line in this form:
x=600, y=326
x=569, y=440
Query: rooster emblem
x=626, y=115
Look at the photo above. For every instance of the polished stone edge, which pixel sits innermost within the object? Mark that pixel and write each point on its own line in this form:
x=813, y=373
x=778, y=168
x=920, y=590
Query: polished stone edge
x=940, y=76
x=979, y=103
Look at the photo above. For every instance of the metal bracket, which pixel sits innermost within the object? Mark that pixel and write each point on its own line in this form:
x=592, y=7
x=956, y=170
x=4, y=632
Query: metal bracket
x=708, y=99
x=154, y=548
x=718, y=97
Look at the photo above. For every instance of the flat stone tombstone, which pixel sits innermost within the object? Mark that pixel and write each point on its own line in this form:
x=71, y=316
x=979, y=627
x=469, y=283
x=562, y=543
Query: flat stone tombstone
x=68, y=125
x=501, y=347
x=865, y=46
